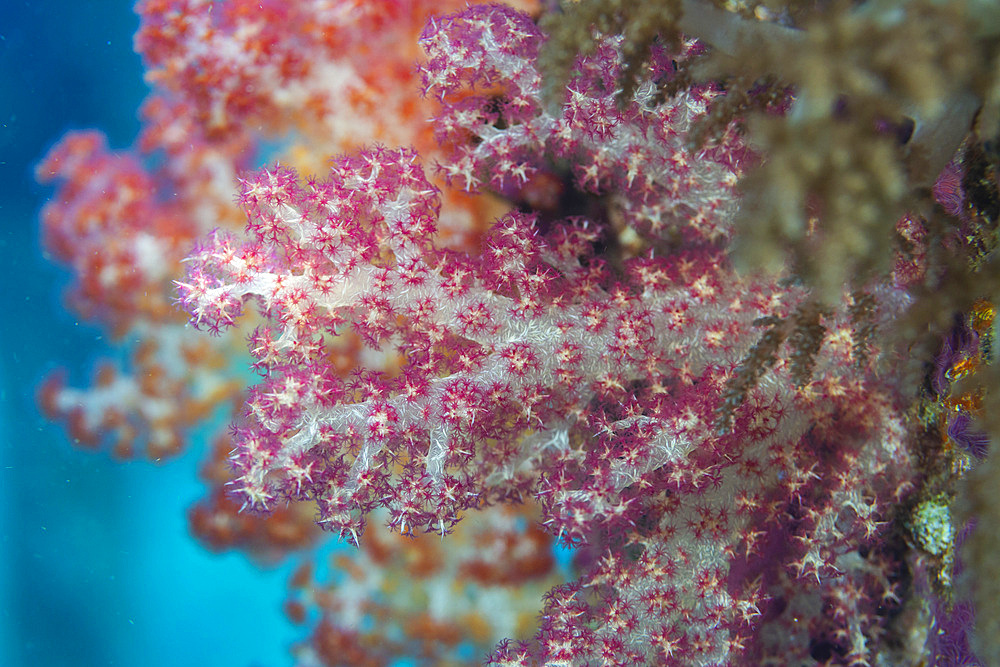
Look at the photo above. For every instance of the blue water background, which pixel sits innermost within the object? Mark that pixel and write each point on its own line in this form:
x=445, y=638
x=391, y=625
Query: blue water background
x=96, y=565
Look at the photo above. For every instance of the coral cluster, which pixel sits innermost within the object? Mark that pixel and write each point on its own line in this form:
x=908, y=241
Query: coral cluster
x=670, y=297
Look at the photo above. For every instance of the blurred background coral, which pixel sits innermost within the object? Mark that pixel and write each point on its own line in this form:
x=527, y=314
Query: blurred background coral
x=96, y=563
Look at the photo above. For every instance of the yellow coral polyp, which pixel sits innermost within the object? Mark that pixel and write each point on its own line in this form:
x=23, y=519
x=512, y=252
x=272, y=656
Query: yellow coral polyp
x=983, y=315
x=962, y=367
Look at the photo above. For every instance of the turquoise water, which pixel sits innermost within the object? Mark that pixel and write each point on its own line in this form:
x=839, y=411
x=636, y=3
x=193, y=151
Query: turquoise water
x=96, y=566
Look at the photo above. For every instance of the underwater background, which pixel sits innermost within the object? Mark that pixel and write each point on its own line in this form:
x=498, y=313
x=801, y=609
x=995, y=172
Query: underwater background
x=96, y=563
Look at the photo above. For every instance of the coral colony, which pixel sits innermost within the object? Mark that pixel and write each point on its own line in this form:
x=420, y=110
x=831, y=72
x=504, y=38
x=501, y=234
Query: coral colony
x=702, y=291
